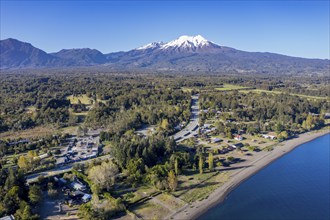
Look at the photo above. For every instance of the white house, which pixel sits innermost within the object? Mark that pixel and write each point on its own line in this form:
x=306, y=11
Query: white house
x=238, y=137
x=237, y=145
x=216, y=140
x=78, y=186
x=86, y=197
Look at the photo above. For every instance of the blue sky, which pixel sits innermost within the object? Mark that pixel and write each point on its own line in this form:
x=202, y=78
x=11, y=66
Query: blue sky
x=297, y=28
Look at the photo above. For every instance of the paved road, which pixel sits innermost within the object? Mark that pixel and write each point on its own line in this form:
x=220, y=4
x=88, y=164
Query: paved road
x=192, y=127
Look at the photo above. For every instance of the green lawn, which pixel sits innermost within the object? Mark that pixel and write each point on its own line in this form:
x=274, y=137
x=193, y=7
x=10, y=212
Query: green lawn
x=201, y=186
x=229, y=87
x=186, y=89
x=83, y=99
x=279, y=92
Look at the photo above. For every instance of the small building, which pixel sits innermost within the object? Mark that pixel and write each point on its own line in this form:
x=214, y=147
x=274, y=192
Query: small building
x=78, y=186
x=216, y=140
x=61, y=160
x=237, y=145
x=267, y=136
x=241, y=131
x=25, y=141
x=86, y=197
x=62, y=181
x=43, y=156
x=8, y=217
x=238, y=137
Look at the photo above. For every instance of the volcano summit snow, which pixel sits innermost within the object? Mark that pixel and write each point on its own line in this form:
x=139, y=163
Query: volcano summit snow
x=182, y=44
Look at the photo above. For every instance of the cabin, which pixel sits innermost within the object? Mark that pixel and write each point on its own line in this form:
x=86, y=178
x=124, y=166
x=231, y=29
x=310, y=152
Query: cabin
x=238, y=137
x=237, y=145
x=78, y=186
x=25, y=141
x=216, y=140
x=271, y=137
x=8, y=217
x=86, y=198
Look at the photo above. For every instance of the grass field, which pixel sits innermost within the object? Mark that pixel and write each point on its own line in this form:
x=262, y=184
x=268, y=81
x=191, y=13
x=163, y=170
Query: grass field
x=69, y=130
x=279, y=92
x=229, y=87
x=186, y=89
x=194, y=186
x=39, y=131
x=83, y=99
x=204, y=184
x=150, y=210
x=170, y=201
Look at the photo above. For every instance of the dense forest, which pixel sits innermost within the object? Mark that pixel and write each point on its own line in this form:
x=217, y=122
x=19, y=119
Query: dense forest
x=123, y=100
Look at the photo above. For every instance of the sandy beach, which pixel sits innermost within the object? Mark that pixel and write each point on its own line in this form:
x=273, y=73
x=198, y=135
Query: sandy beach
x=249, y=168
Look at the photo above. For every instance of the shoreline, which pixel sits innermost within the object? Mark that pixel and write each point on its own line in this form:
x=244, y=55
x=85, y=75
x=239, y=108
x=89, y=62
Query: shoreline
x=198, y=208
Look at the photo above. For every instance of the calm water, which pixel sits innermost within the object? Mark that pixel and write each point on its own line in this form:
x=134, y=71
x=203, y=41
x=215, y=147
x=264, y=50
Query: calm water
x=295, y=186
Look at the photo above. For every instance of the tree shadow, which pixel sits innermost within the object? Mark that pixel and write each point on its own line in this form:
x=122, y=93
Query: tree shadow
x=233, y=168
x=186, y=189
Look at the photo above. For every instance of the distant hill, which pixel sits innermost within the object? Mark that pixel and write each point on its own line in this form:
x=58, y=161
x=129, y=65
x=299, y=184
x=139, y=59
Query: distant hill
x=187, y=53
x=17, y=54
x=81, y=57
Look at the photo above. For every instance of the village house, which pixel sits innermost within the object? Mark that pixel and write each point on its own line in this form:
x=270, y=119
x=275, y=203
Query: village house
x=78, y=186
x=238, y=137
x=86, y=197
x=8, y=217
x=267, y=136
x=237, y=145
x=25, y=141
x=216, y=140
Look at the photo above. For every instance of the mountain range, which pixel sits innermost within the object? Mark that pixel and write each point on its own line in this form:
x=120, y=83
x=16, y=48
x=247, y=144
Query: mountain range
x=187, y=53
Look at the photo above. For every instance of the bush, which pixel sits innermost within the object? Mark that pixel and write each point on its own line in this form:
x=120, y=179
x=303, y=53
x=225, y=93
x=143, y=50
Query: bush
x=219, y=164
x=231, y=159
x=269, y=148
x=252, y=148
x=57, y=152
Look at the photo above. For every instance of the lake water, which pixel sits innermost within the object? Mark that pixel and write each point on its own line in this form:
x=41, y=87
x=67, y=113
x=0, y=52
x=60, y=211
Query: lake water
x=296, y=186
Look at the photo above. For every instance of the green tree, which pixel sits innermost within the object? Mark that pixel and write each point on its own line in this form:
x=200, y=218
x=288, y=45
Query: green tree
x=211, y=165
x=283, y=135
x=135, y=168
x=165, y=124
x=201, y=164
x=103, y=175
x=23, y=163
x=176, y=165
x=172, y=180
x=27, y=213
x=35, y=194
x=309, y=123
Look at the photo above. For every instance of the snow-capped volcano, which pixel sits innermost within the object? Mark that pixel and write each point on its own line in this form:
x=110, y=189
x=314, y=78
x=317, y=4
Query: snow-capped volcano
x=187, y=42
x=182, y=44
